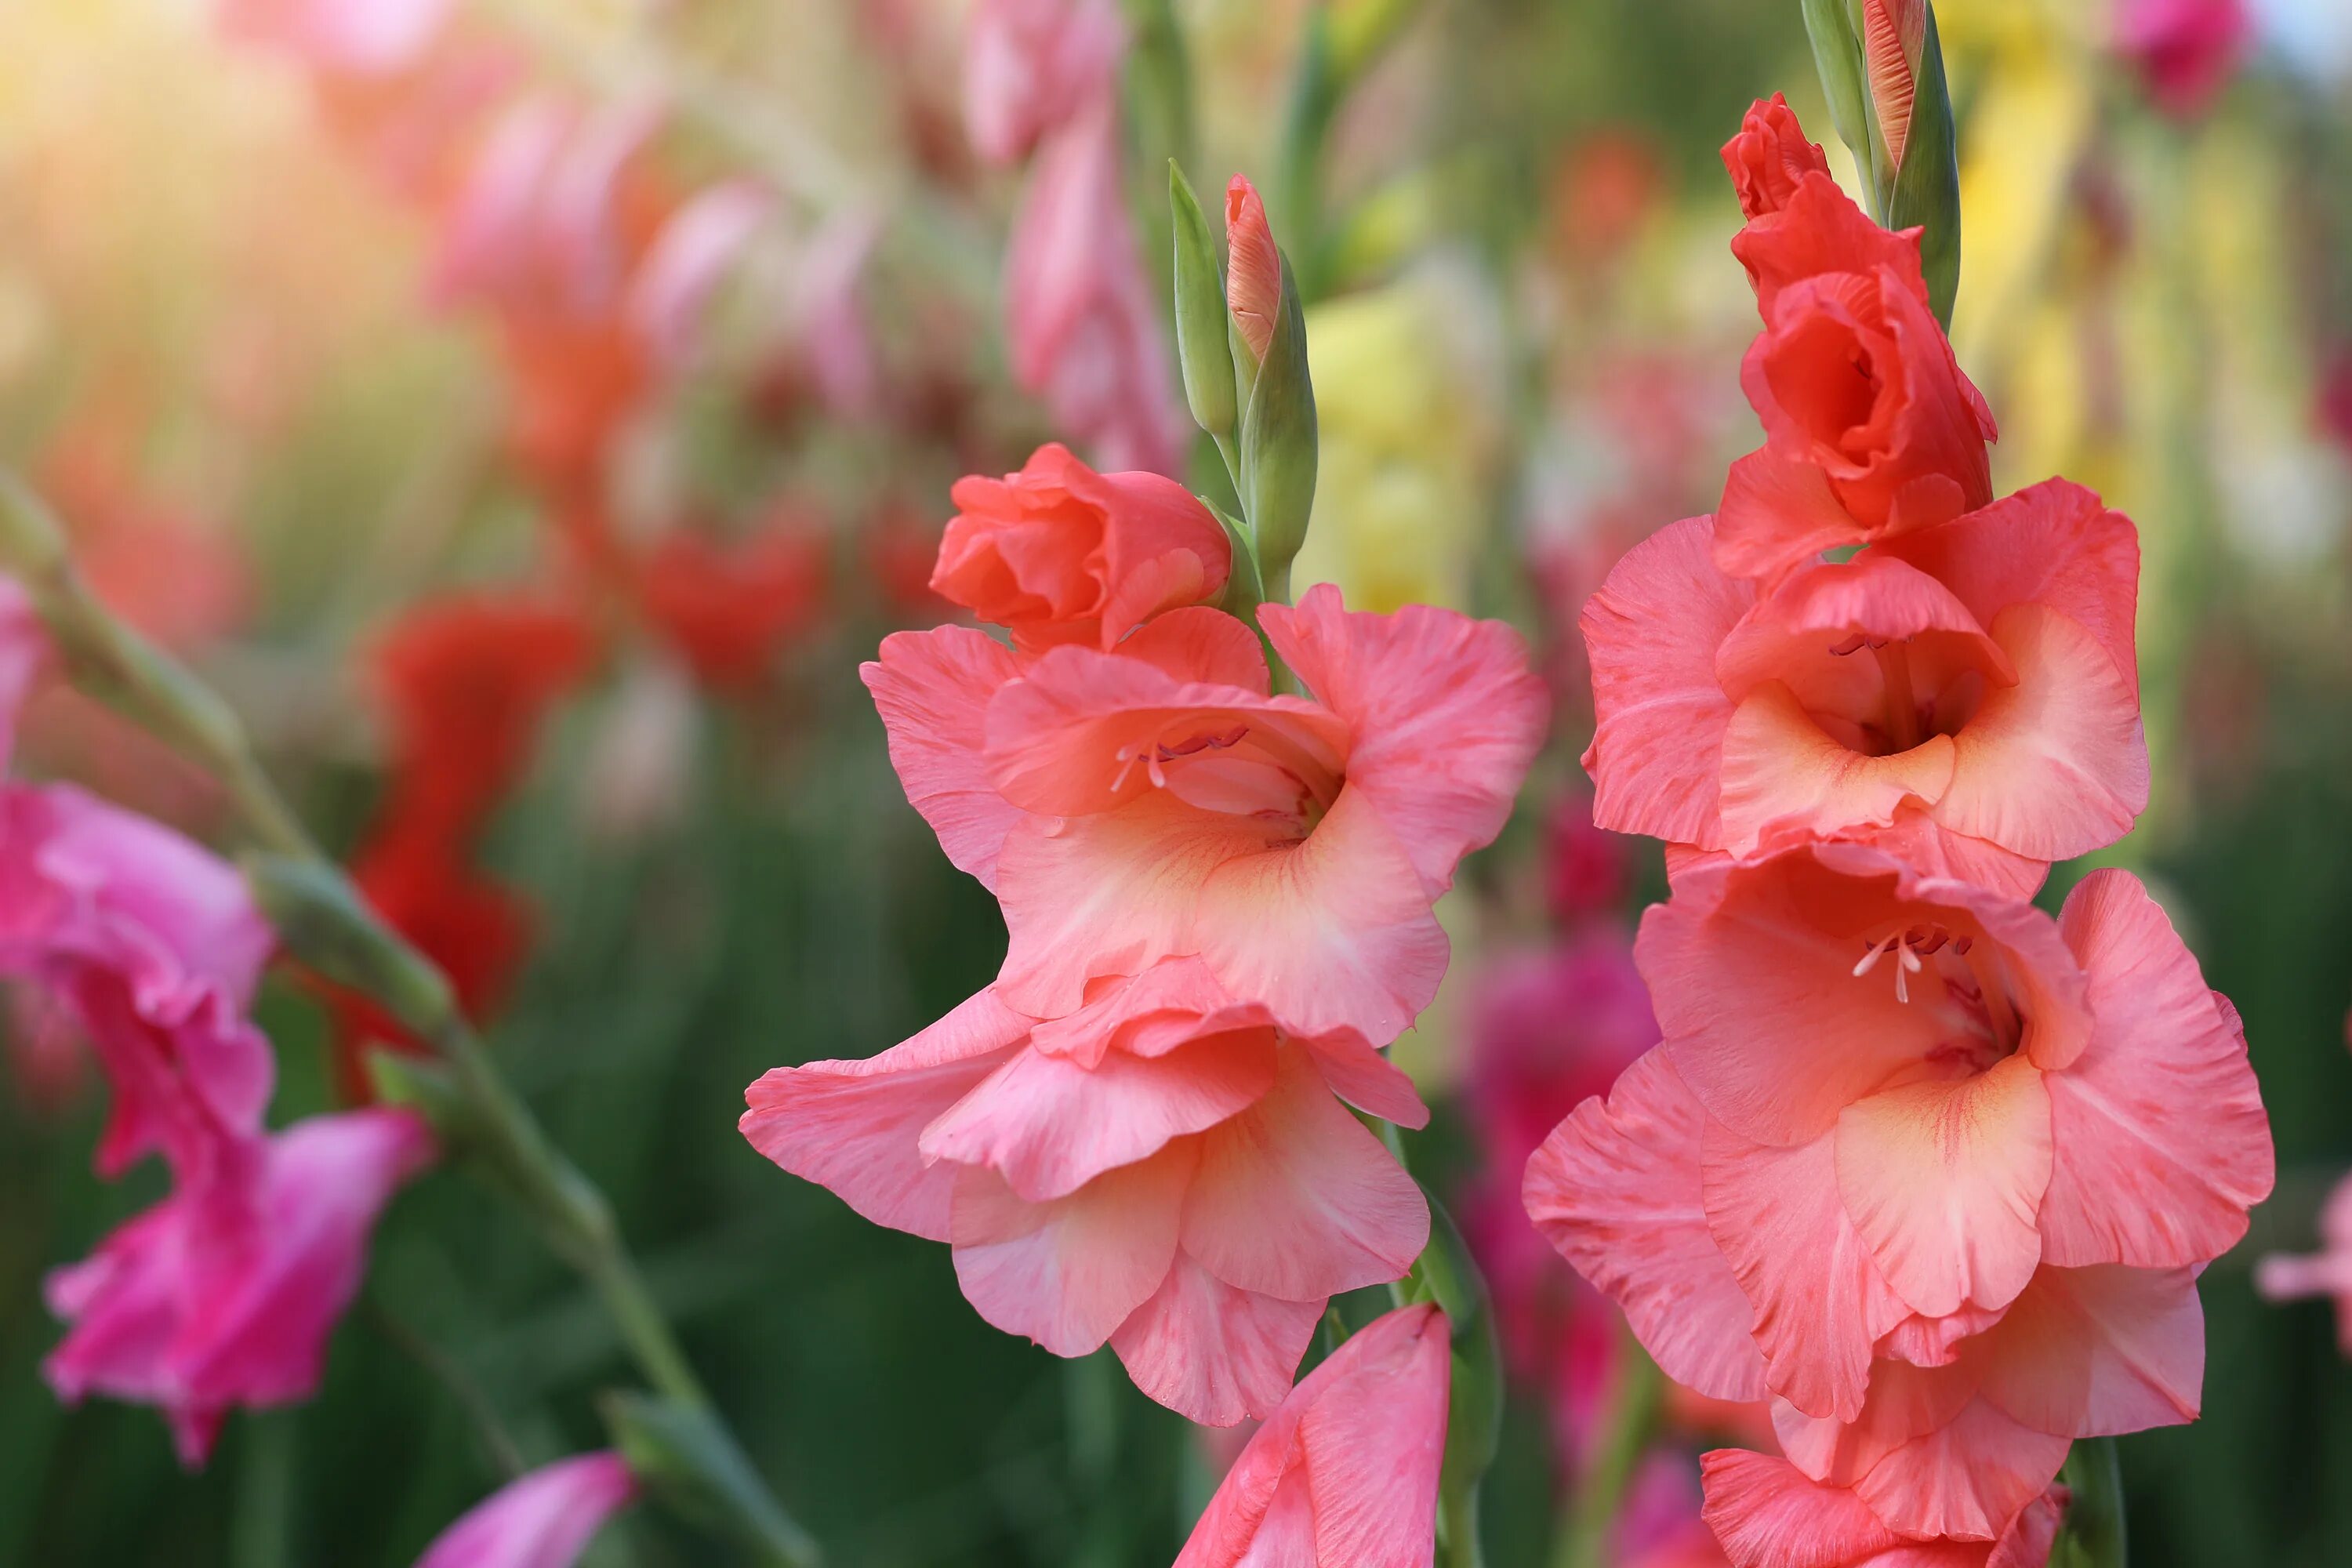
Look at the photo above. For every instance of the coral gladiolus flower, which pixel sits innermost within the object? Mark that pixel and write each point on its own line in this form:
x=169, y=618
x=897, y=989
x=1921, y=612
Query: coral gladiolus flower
x=1058, y=552
x=543, y=1520
x=1931, y=1167
x=1345, y=1471
x=1768, y=1515
x=1966, y=694
x=1160, y=802
x=2281, y=1278
x=1770, y=157
x=224, y=1293
x=1253, y=268
x=1165, y=1169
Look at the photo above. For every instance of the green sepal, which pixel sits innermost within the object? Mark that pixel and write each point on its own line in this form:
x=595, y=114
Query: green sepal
x=1279, y=445
x=320, y=919
x=682, y=1455
x=1927, y=189
x=1837, y=56
x=2093, y=1536
x=1448, y=1275
x=1201, y=320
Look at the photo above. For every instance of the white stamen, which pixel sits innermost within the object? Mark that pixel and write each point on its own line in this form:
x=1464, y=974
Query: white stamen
x=1870, y=960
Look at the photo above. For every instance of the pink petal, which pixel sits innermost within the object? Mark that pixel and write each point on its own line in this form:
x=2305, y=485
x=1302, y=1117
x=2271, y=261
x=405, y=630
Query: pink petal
x=1360, y=1075
x=1067, y=1273
x=2056, y=765
x=2094, y=1353
x=1616, y=1189
x=855, y=1126
x=1048, y=1125
x=544, y=1519
x=1200, y=644
x=1445, y=712
x=1295, y=1198
x=1766, y=1513
x=1821, y=1303
x=1783, y=774
x=1775, y=513
x=1968, y=1479
x=1213, y=1354
x=1943, y=1179
x=932, y=690
x=1659, y=711
x=2162, y=1142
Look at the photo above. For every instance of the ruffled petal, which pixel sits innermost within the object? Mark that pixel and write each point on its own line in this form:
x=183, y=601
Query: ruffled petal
x=2099, y=1352
x=1213, y=1354
x=932, y=690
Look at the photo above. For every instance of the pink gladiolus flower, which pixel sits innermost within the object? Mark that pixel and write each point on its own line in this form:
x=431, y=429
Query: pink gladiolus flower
x=1164, y=1170
x=540, y=218
x=224, y=1293
x=1159, y=802
x=1253, y=268
x=1967, y=695
x=1058, y=552
x=1030, y=66
x=1345, y=1471
x=2186, y=51
x=1084, y=328
x=153, y=946
x=1768, y=1515
x=2281, y=1278
x=1932, y=1168
x=543, y=1520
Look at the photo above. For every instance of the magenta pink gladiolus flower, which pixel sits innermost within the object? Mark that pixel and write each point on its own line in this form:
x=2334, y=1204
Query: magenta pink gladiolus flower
x=1766, y=1514
x=1030, y=65
x=1967, y=695
x=1933, y=1169
x=1345, y=1471
x=224, y=1293
x=543, y=1520
x=2185, y=50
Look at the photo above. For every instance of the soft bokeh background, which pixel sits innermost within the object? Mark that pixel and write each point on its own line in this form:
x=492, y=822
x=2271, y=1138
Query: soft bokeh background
x=240, y=348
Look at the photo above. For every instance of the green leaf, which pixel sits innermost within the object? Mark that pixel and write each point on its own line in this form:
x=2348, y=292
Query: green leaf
x=1279, y=445
x=1837, y=56
x=1201, y=318
x=683, y=1455
x=1927, y=188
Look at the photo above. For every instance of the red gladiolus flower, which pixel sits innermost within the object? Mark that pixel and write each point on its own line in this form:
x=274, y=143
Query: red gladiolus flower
x=1771, y=158
x=728, y=610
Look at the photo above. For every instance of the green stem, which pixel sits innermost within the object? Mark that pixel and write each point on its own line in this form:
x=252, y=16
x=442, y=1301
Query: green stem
x=2094, y=1534
x=116, y=663
x=1601, y=1492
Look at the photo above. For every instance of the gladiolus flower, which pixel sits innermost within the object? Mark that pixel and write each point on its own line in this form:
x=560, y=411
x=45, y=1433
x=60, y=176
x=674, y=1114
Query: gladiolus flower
x=1252, y=267
x=1934, y=1169
x=1159, y=802
x=1768, y=1515
x=224, y=1293
x=2185, y=50
x=2281, y=1278
x=1347, y=1470
x=1028, y=65
x=1059, y=553
x=1770, y=157
x=154, y=947
x=1894, y=37
x=1966, y=694
x=1871, y=429
x=1167, y=1169
x=543, y=1520
x=1085, y=329
x=728, y=610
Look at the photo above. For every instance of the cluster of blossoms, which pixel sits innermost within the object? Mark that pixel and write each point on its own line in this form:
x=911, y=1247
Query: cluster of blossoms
x=1933, y=1172
x=149, y=946
x=1219, y=901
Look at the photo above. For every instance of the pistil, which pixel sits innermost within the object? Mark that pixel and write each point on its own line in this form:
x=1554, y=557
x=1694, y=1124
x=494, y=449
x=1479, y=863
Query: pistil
x=1902, y=706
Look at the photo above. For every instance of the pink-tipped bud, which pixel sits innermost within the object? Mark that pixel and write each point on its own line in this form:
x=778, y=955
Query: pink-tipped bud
x=1894, y=37
x=1253, y=268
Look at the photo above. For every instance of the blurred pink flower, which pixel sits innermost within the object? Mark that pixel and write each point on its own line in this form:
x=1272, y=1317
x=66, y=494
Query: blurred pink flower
x=1659, y=1524
x=2186, y=51
x=543, y=1520
x=1086, y=332
x=1345, y=1471
x=696, y=246
x=2281, y=1277
x=1586, y=873
x=153, y=946
x=1030, y=66
x=540, y=222
x=364, y=38
x=1767, y=1515
x=1161, y=1170
x=223, y=1294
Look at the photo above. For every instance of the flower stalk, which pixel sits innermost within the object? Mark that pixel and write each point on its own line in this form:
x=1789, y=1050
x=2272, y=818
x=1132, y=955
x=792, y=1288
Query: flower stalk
x=326, y=923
